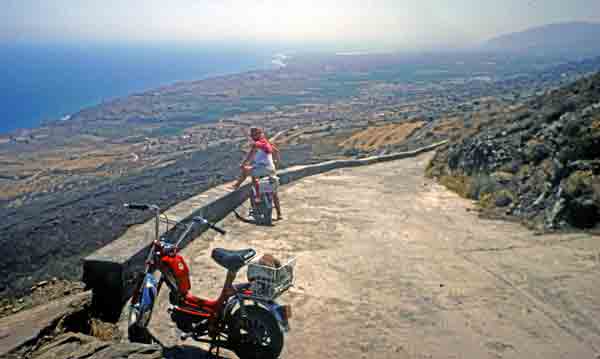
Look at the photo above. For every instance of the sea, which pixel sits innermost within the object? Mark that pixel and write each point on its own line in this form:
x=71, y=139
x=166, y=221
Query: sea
x=40, y=82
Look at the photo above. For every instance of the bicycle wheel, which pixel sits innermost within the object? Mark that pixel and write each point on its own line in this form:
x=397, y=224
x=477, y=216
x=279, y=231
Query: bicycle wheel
x=267, y=209
x=256, y=211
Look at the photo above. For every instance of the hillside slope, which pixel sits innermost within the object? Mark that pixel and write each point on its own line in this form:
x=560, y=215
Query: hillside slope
x=570, y=39
x=539, y=163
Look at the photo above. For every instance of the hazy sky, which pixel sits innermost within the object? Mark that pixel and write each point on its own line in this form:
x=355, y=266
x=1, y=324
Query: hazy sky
x=348, y=24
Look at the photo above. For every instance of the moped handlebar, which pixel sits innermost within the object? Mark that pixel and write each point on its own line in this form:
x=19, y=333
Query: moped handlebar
x=139, y=206
x=144, y=207
x=210, y=225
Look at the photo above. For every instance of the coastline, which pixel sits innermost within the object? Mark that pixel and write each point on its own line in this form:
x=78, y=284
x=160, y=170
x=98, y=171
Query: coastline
x=273, y=61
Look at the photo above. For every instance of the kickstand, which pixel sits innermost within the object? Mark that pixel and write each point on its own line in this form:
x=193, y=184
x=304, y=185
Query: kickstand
x=214, y=345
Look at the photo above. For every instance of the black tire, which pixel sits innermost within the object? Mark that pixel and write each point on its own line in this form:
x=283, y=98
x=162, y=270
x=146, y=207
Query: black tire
x=258, y=322
x=256, y=210
x=267, y=210
x=262, y=211
x=138, y=334
x=135, y=332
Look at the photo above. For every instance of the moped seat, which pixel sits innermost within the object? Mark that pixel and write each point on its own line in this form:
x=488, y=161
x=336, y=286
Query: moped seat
x=233, y=260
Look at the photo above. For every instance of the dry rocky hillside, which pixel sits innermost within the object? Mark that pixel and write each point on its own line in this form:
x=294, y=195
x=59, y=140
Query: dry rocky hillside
x=539, y=162
x=376, y=138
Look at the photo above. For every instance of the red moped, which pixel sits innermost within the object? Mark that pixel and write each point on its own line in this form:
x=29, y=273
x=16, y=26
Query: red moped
x=245, y=318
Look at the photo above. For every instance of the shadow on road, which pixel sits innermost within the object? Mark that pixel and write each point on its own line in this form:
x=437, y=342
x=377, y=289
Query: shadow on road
x=247, y=220
x=190, y=352
x=182, y=351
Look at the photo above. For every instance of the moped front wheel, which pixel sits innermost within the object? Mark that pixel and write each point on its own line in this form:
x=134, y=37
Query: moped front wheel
x=256, y=335
x=141, y=309
x=137, y=331
x=137, y=334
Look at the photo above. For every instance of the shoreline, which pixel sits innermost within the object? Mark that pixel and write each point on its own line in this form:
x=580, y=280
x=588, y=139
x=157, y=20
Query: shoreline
x=276, y=61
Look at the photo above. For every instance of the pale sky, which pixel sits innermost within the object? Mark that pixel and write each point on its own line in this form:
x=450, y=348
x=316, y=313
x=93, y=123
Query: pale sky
x=349, y=24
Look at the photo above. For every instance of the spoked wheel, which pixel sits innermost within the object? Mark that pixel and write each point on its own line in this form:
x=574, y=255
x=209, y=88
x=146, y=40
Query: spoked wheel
x=257, y=336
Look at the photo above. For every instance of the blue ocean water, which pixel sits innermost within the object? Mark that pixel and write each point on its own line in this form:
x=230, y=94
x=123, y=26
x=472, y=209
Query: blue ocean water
x=42, y=82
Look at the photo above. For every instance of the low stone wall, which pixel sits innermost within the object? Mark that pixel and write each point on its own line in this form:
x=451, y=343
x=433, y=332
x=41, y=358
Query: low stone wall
x=111, y=271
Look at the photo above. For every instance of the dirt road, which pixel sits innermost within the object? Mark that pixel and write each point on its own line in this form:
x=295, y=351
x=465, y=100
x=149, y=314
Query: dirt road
x=392, y=265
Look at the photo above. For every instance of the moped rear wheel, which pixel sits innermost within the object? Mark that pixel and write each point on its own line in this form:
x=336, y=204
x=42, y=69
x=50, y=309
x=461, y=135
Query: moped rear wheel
x=255, y=336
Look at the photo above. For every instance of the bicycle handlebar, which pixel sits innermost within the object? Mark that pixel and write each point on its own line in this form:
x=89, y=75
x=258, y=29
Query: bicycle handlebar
x=144, y=207
x=138, y=206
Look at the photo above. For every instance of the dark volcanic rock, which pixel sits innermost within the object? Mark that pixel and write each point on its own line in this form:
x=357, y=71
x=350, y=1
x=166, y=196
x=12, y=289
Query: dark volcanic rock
x=583, y=212
x=503, y=200
x=547, y=153
x=49, y=236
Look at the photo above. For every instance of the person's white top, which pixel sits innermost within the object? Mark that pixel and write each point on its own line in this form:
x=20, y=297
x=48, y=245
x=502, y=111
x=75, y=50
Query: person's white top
x=264, y=155
x=265, y=159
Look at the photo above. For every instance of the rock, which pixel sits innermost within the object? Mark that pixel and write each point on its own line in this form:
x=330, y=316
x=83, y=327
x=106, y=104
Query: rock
x=539, y=200
x=579, y=183
x=590, y=109
x=585, y=165
x=512, y=167
x=537, y=153
x=502, y=177
x=503, y=200
x=556, y=211
x=104, y=331
x=583, y=212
